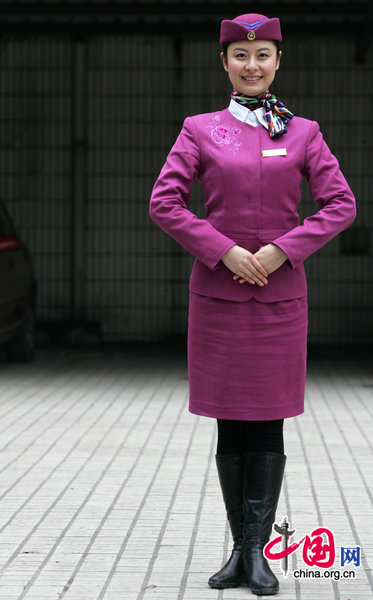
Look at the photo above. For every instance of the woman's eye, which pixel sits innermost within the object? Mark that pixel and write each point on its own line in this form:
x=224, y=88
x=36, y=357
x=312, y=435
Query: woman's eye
x=241, y=55
x=263, y=55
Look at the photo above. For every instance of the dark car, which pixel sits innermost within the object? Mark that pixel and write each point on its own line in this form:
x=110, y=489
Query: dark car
x=17, y=293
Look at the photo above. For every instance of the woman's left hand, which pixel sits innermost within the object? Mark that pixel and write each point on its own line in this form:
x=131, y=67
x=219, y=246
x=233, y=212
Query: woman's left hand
x=270, y=256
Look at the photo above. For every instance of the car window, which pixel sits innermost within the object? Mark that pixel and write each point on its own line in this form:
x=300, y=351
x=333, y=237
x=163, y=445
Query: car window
x=6, y=227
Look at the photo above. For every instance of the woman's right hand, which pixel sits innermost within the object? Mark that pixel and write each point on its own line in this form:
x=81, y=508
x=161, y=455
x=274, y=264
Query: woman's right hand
x=244, y=264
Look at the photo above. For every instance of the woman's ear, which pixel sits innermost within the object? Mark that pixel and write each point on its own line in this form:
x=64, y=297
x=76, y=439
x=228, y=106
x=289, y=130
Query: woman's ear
x=224, y=61
x=278, y=60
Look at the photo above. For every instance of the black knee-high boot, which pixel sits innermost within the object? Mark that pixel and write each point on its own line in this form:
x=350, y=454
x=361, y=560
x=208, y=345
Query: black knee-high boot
x=263, y=474
x=230, y=471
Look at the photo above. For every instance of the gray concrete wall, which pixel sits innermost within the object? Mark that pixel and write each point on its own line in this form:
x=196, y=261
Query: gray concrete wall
x=91, y=127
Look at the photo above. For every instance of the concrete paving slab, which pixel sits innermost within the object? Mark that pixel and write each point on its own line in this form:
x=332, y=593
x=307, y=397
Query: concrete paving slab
x=108, y=487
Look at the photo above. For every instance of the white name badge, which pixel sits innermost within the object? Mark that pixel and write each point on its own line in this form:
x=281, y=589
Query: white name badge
x=274, y=152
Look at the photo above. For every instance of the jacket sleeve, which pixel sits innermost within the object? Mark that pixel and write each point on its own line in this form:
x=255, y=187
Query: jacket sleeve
x=330, y=190
x=170, y=197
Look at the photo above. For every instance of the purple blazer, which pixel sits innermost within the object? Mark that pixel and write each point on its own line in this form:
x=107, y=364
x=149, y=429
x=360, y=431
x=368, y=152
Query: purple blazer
x=251, y=199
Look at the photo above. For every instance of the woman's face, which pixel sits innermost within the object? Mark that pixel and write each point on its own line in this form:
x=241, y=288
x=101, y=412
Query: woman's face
x=251, y=65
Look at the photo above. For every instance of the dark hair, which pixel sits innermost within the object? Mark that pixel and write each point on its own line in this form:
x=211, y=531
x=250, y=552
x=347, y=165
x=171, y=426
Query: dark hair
x=226, y=44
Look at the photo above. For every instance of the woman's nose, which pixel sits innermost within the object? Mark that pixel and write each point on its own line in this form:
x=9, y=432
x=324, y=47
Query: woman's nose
x=251, y=63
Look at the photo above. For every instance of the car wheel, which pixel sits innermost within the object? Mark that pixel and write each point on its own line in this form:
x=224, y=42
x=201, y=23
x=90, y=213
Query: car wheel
x=22, y=347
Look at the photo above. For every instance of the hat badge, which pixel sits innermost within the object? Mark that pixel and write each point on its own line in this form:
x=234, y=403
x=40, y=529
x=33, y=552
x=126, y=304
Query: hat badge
x=251, y=35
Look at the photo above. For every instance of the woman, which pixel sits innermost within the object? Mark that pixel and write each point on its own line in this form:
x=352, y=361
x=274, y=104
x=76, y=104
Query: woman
x=247, y=325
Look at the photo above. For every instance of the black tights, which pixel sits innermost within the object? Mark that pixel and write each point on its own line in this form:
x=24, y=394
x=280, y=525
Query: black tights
x=250, y=436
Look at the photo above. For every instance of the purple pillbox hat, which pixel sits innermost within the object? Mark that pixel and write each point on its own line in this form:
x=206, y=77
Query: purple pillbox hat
x=250, y=27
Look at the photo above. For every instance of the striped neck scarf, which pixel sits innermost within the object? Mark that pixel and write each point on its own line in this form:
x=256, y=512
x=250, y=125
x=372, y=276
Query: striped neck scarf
x=275, y=112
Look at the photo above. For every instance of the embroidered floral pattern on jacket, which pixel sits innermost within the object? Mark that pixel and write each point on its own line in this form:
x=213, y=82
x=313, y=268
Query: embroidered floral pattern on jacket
x=222, y=133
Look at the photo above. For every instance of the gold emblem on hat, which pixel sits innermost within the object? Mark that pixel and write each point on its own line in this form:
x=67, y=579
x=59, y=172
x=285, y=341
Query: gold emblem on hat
x=251, y=35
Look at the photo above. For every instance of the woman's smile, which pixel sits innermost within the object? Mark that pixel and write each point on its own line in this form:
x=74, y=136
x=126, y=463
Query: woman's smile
x=251, y=79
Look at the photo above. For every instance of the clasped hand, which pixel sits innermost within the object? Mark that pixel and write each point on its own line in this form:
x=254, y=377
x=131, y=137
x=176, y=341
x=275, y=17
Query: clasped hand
x=254, y=268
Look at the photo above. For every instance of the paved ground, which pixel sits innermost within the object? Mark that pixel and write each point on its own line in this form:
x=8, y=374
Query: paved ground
x=109, y=490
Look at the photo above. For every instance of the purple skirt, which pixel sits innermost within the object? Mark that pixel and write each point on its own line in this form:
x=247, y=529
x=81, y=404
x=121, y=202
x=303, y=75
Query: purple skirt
x=247, y=360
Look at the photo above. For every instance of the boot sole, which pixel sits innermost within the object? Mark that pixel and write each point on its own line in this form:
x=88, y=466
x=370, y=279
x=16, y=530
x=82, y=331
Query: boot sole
x=265, y=592
x=226, y=586
x=223, y=586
